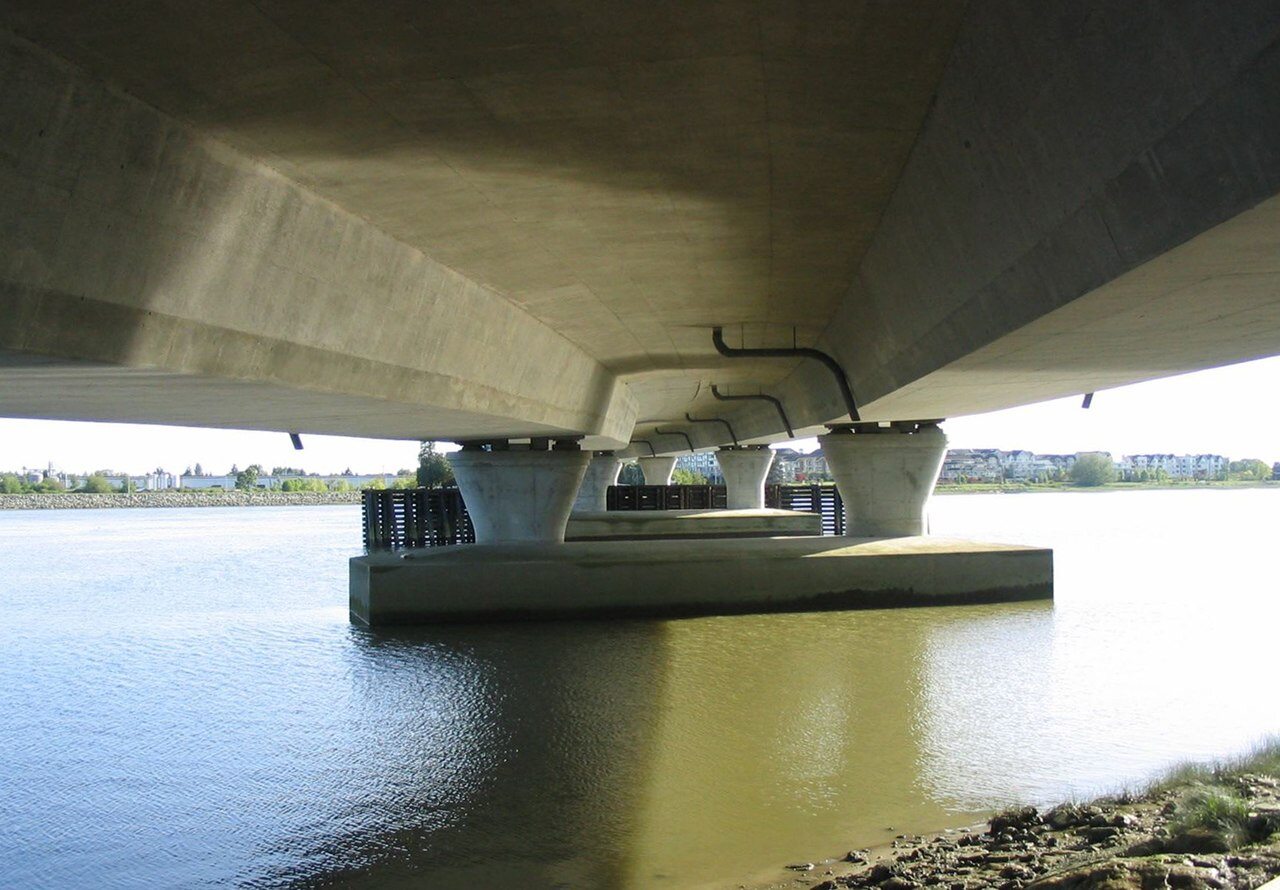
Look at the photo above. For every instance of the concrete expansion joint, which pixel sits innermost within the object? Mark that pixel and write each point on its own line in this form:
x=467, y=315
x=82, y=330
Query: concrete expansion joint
x=743, y=448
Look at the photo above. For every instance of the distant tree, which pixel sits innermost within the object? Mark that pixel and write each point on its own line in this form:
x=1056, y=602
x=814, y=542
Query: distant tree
x=50, y=484
x=234, y=469
x=187, y=471
x=199, y=470
x=96, y=483
x=631, y=474
x=377, y=484
x=340, y=485
x=1092, y=469
x=287, y=471
x=302, y=484
x=404, y=481
x=434, y=470
x=681, y=476
x=247, y=479
x=1249, y=470
x=127, y=486
x=11, y=484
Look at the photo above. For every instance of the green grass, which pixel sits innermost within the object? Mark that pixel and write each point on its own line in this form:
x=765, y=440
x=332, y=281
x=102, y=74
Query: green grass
x=1217, y=809
x=1263, y=760
x=1206, y=799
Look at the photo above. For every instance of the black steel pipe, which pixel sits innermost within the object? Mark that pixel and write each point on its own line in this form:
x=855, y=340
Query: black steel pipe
x=842, y=381
x=727, y=425
x=758, y=398
x=652, y=453
x=675, y=433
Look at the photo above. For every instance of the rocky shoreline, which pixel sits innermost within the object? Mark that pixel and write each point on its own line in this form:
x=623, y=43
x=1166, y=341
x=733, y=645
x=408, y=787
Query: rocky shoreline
x=1219, y=830
x=83, y=501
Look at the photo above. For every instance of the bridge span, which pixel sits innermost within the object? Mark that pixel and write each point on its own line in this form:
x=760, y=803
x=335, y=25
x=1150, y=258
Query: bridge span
x=518, y=225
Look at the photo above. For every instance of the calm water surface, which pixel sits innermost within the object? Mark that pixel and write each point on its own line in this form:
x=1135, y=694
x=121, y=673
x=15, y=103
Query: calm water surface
x=183, y=704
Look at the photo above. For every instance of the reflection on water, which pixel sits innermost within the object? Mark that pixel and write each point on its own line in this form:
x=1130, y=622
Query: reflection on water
x=185, y=704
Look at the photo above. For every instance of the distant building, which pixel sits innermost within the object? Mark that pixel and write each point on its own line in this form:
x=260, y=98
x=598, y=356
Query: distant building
x=972, y=465
x=811, y=467
x=1174, y=466
x=703, y=462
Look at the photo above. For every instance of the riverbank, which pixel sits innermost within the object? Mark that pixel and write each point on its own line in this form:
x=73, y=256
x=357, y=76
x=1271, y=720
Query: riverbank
x=1026, y=487
x=82, y=501
x=1199, y=828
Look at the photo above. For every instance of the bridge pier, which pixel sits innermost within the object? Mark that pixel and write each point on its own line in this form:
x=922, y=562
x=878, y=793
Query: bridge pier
x=601, y=473
x=518, y=495
x=657, y=470
x=745, y=469
x=885, y=475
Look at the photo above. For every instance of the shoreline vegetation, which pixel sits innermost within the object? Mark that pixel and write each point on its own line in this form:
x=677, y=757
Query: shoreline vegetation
x=1022, y=487
x=78, y=500
x=216, y=497
x=1197, y=827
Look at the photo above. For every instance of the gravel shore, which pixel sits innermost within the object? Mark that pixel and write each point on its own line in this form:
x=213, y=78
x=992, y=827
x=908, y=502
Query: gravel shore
x=1215, y=831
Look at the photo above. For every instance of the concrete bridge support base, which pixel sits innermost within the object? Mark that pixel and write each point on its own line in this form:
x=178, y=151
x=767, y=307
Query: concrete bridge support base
x=744, y=472
x=885, y=476
x=634, y=579
x=601, y=473
x=657, y=470
x=519, y=496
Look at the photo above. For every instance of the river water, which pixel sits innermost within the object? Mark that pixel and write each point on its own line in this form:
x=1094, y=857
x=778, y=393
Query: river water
x=184, y=704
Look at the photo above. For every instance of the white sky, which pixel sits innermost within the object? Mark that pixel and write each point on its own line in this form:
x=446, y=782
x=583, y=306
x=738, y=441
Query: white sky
x=1231, y=411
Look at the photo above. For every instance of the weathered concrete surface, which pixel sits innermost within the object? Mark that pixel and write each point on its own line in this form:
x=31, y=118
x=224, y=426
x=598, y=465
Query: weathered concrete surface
x=593, y=494
x=519, y=496
x=657, y=470
x=150, y=273
x=885, y=479
x=686, y=578
x=444, y=221
x=744, y=470
x=622, y=525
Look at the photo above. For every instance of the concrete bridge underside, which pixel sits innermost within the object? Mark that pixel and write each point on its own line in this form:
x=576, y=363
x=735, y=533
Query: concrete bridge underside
x=466, y=220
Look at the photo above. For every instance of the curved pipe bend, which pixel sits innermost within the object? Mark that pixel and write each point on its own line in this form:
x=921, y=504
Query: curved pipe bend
x=842, y=381
x=727, y=425
x=758, y=398
x=675, y=433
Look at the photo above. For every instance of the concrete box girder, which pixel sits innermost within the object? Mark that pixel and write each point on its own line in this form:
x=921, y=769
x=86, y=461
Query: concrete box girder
x=527, y=222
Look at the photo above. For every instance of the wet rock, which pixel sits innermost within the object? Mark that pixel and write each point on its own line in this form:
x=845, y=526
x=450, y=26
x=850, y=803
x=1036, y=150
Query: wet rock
x=801, y=866
x=1196, y=840
x=857, y=857
x=1067, y=815
x=897, y=882
x=1101, y=834
x=879, y=873
x=1021, y=872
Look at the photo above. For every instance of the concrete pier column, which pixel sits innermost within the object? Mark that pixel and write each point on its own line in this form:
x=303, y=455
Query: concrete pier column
x=744, y=470
x=657, y=470
x=601, y=473
x=885, y=476
x=519, y=495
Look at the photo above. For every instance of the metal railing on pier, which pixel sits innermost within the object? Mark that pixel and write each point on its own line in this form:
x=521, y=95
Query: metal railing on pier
x=397, y=519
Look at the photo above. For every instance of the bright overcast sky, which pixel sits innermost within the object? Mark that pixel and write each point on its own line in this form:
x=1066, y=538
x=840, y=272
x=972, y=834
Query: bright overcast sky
x=1231, y=411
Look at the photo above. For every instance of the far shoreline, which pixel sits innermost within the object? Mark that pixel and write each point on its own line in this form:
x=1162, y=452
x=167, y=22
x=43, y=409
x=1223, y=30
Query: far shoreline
x=1060, y=487
x=79, y=500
